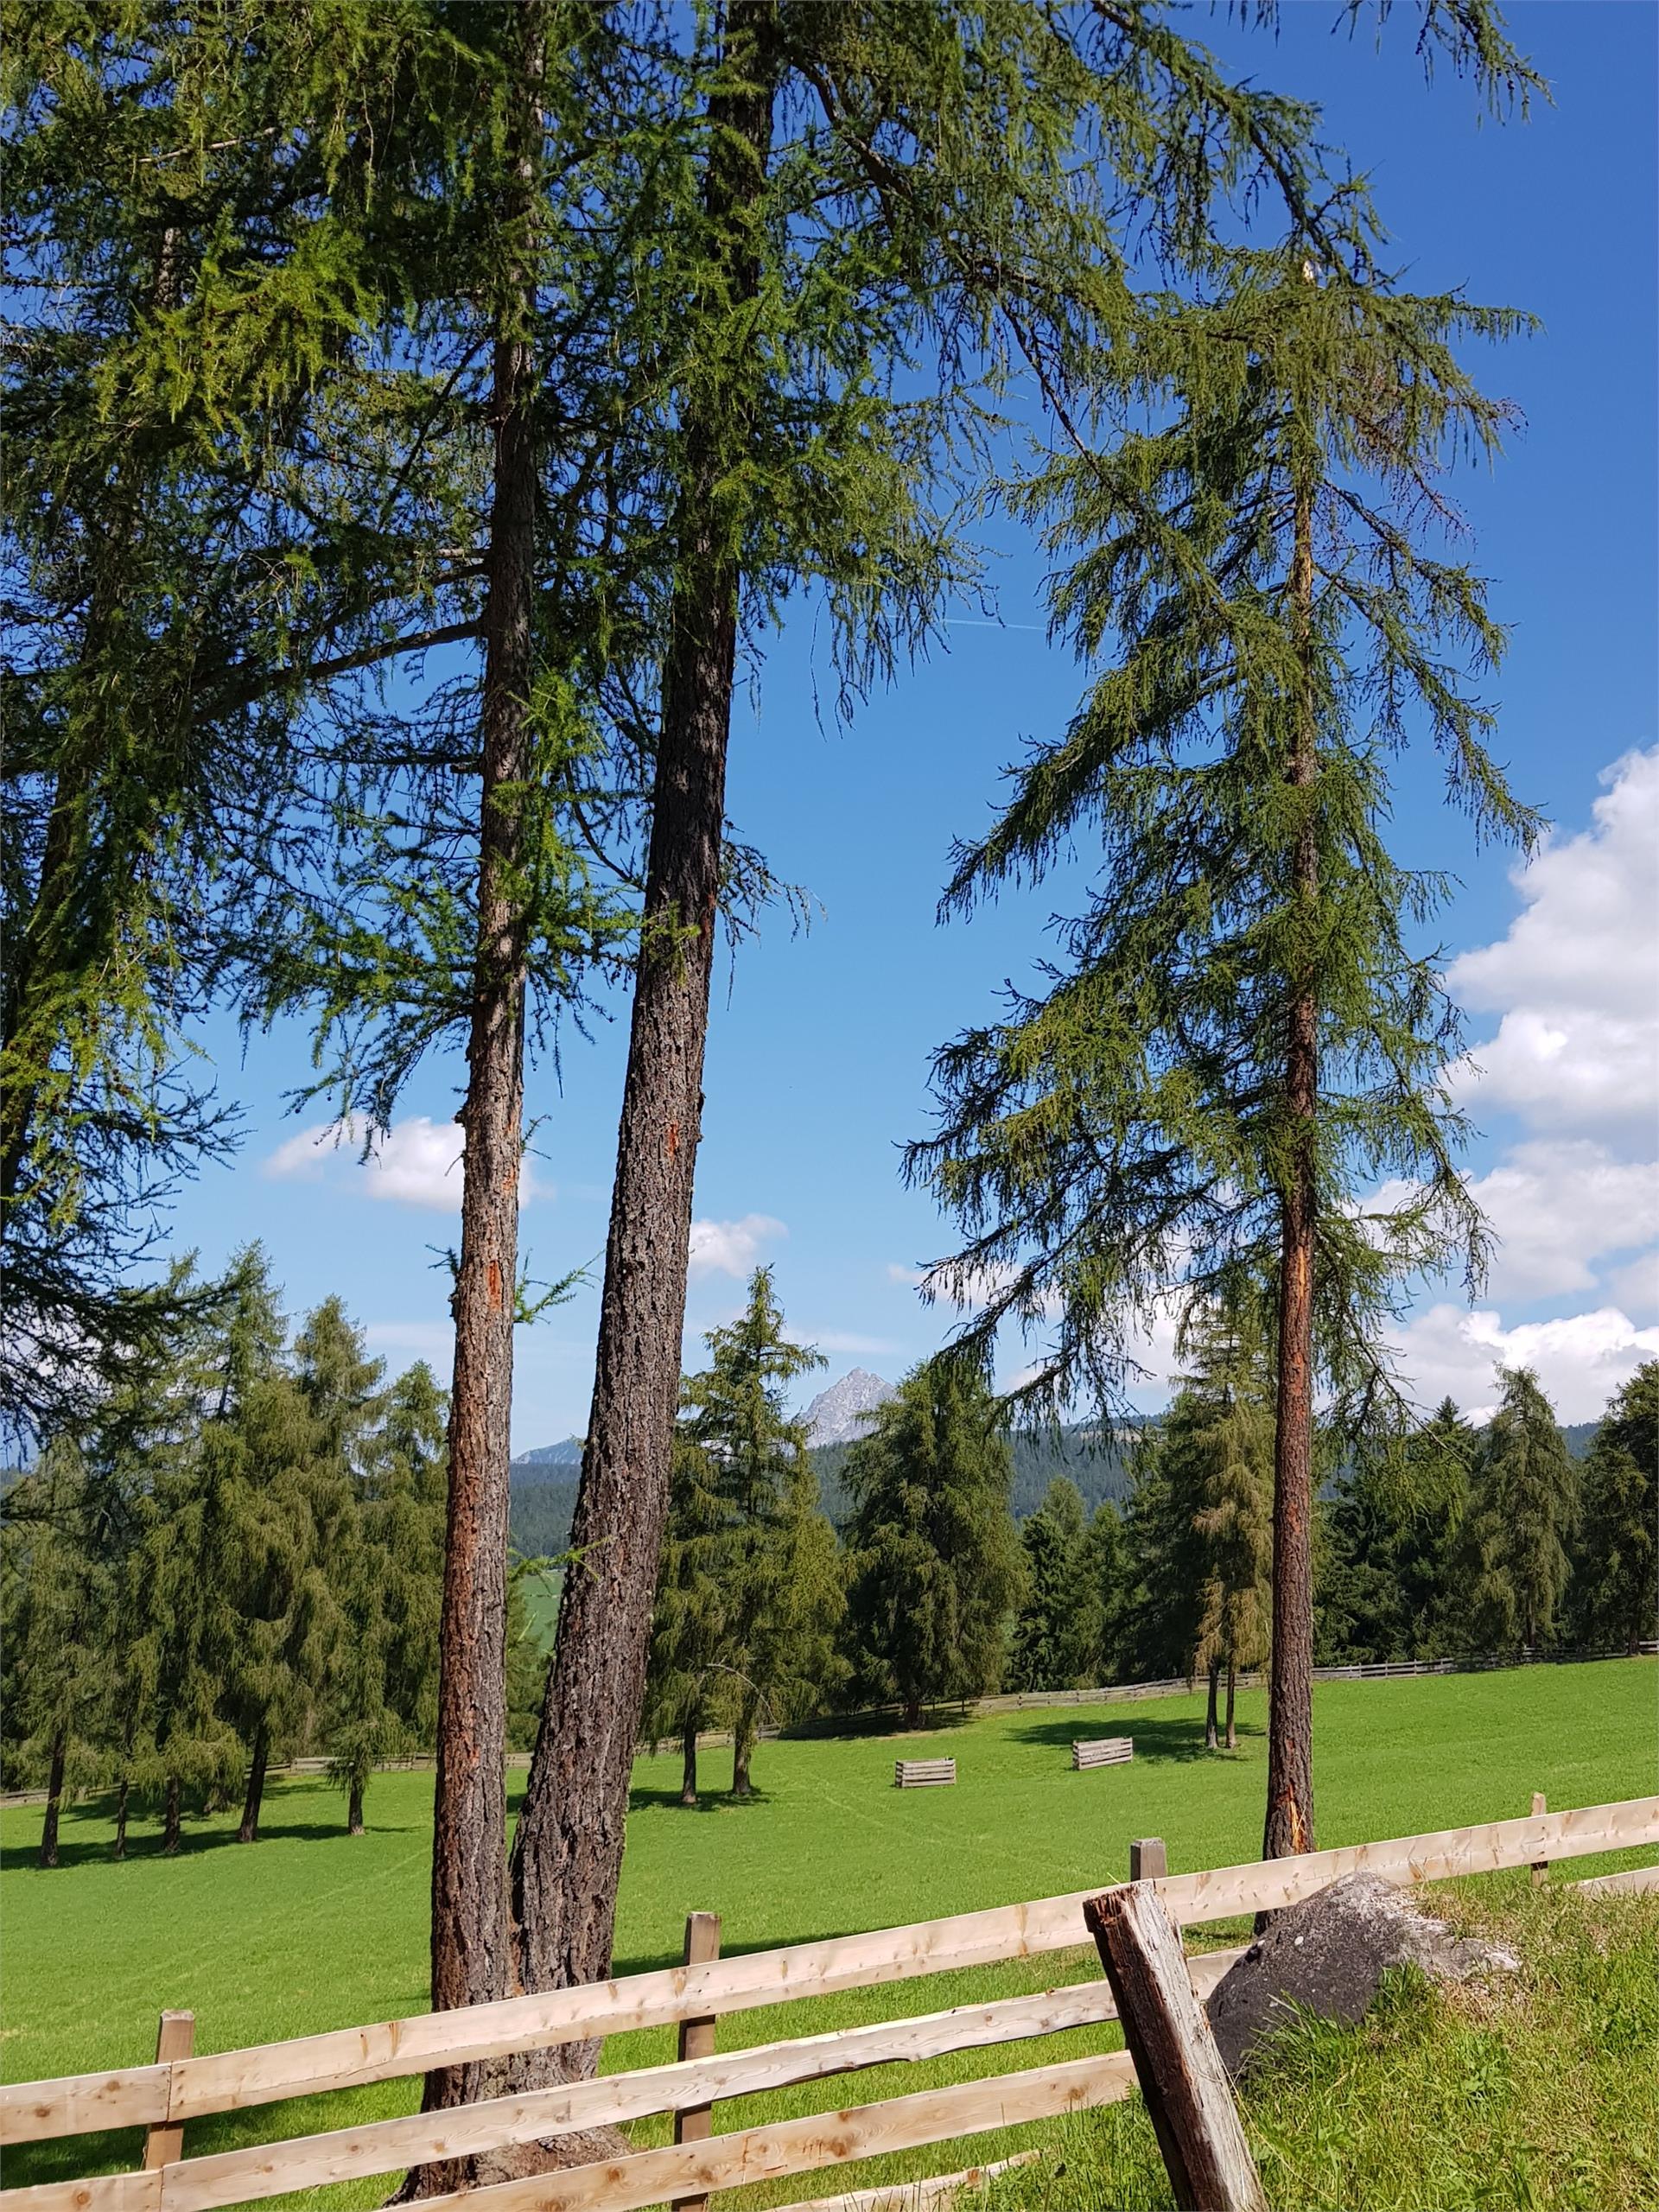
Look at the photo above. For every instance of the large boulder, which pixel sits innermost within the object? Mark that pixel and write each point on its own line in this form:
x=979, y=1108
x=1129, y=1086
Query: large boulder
x=1327, y=1955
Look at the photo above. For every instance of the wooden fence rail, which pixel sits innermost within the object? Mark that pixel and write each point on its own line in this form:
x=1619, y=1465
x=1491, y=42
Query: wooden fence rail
x=168, y=2092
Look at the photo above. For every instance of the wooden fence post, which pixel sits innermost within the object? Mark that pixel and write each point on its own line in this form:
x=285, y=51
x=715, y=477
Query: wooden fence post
x=697, y=2041
x=1147, y=1859
x=176, y=2037
x=1539, y=1866
x=1182, y=2079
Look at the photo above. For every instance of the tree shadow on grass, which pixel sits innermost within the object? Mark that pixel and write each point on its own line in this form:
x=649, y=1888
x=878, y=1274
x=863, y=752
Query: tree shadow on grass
x=144, y=1838
x=708, y=1800
x=1156, y=1742
x=855, y=1726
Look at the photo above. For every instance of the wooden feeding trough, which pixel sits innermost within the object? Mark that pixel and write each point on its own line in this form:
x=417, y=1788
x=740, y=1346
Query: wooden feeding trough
x=923, y=1774
x=1103, y=1750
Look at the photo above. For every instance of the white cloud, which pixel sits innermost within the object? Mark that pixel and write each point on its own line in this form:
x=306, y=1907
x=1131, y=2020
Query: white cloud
x=1577, y=1045
x=732, y=1248
x=416, y=1162
x=1580, y=1361
x=912, y=1277
x=1556, y=1206
x=846, y=1341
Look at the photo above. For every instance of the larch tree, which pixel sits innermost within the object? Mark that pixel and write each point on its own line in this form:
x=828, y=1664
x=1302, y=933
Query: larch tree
x=1615, y=1592
x=934, y=1567
x=1247, y=1033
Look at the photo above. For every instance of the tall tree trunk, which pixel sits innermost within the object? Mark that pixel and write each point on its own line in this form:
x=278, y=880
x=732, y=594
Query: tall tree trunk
x=471, y=1962
x=568, y=1853
x=53, y=1799
x=249, y=1831
x=354, y=1807
x=171, y=1822
x=1289, y=1826
x=689, y=1767
x=1232, y=1674
x=1211, y=1737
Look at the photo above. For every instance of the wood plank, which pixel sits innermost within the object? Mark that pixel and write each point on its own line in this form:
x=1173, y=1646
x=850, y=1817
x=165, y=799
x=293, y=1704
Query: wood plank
x=1633, y=1882
x=342, y=2058
x=78, y=2104
x=388, y=2146
x=1182, y=2078
x=140, y=2191
x=794, y=2146
x=910, y=2196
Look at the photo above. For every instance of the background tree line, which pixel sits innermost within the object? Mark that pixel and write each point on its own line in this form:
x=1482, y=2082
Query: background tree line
x=246, y=1566
x=240, y=1563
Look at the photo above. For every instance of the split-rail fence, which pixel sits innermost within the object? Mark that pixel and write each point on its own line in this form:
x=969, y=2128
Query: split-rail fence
x=164, y=2096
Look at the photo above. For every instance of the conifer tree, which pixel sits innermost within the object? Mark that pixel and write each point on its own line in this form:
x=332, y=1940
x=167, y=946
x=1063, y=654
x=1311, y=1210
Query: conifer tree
x=57, y=1592
x=1615, y=1590
x=1523, y=1512
x=1108, y=1567
x=1056, y=1644
x=935, y=1567
x=685, y=1681
x=1218, y=1447
x=1386, y=1591
x=1243, y=1040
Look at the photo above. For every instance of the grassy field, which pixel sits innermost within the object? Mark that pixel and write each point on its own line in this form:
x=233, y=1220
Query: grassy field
x=309, y=1928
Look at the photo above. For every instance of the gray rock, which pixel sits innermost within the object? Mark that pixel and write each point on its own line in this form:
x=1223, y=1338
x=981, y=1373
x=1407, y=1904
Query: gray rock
x=1327, y=1955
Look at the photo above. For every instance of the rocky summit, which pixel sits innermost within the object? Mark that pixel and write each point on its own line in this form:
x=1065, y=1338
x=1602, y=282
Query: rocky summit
x=842, y=1414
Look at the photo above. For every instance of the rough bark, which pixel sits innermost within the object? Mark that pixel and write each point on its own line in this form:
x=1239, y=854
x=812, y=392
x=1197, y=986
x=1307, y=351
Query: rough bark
x=1211, y=1735
x=54, y=1800
x=354, y=1809
x=568, y=1854
x=742, y=1751
x=249, y=1831
x=171, y=1823
x=1289, y=1826
x=689, y=1766
x=471, y=1962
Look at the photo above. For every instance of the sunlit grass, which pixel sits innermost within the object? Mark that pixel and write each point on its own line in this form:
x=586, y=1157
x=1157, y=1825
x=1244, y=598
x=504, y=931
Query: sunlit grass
x=310, y=1929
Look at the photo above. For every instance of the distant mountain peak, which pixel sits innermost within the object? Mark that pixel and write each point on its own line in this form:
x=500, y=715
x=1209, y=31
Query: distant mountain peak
x=568, y=1454
x=842, y=1414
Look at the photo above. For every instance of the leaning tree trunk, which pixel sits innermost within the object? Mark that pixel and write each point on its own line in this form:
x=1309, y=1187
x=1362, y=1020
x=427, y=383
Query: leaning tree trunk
x=249, y=1831
x=471, y=1962
x=53, y=1799
x=689, y=1766
x=1289, y=1826
x=568, y=1854
x=1211, y=1736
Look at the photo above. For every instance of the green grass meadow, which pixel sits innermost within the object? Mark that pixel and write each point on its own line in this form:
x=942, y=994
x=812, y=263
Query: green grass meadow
x=309, y=1928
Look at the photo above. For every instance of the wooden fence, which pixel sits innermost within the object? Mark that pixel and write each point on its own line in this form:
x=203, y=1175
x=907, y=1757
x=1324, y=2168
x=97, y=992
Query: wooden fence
x=172, y=2091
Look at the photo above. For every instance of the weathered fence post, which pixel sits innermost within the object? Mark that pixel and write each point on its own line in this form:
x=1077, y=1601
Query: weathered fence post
x=1539, y=1866
x=1147, y=1859
x=1182, y=2079
x=176, y=2037
x=697, y=2041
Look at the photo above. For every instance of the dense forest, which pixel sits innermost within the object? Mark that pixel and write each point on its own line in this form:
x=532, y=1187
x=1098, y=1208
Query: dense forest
x=247, y=1566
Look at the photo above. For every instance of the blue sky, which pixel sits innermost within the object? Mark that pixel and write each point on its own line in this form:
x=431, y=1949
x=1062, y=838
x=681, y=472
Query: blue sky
x=819, y=1046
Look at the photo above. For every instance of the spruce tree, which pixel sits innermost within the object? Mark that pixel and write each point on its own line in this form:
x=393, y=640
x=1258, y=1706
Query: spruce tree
x=1615, y=1588
x=684, y=1679
x=1246, y=1035
x=1056, y=1644
x=1523, y=1512
x=1386, y=1590
x=1108, y=1567
x=934, y=1568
